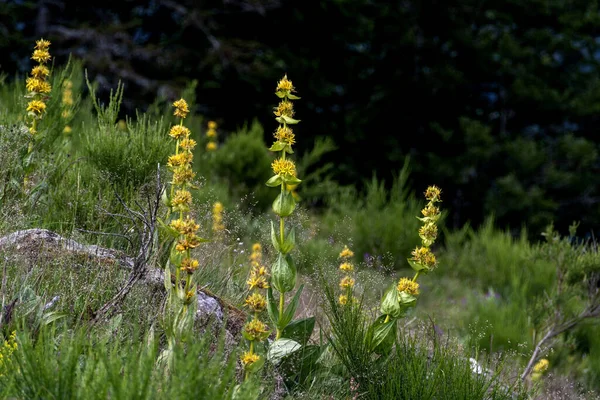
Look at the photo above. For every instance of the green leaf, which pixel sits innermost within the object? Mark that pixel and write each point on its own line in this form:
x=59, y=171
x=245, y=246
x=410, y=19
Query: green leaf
x=175, y=257
x=290, y=121
x=275, y=238
x=281, y=94
x=289, y=242
x=281, y=348
x=277, y=146
x=283, y=274
x=390, y=304
x=418, y=266
x=288, y=149
x=165, y=198
x=167, y=230
x=272, y=307
x=284, y=204
x=287, y=120
x=291, y=180
x=406, y=299
x=382, y=333
x=52, y=316
x=299, y=330
x=290, y=309
x=167, y=278
x=274, y=181
x=293, y=97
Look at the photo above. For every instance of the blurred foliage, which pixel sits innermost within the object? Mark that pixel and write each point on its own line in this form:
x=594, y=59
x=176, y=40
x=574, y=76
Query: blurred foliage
x=497, y=103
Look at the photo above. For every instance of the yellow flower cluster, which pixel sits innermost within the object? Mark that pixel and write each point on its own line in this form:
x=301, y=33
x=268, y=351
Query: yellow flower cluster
x=347, y=282
x=541, y=366
x=67, y=103
x=285, y=135
x=408, y=286
x=217, y=216
x=255, y=330
x=8, y=348
x=284, y=167
x=539, y=369
x=37, y=84
x=181, y=200
x=211, y=133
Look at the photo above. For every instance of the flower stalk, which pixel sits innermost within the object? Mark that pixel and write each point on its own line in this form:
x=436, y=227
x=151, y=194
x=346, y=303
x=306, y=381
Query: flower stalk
x=397, y=300
x=182, y=226
x=285, y=177
x=211, y=134
x=255, y=330
x=347, y=281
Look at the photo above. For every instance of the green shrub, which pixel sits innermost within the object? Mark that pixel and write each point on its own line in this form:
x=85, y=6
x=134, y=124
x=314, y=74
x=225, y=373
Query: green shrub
x=381, y=225
x=244, y=163
x=130, y=154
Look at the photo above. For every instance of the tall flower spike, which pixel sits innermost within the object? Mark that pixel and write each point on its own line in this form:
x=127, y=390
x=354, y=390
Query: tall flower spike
x=211, y=133
x=37, y=86
x=347, y=281
x=257, y=303
x=285, y=178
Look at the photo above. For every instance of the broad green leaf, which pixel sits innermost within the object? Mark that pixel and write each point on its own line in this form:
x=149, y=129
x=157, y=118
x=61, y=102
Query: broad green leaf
x=289, y=242
x=381, y=331
x=292, y=97
x=406, y=299
x=277, y=146
x=299, y=330
x=167, y=278
x=290, y=309
x=287, y=120
x=284, y=204
x=418, y=266
x=281, y=348
x=283, y=274
x=275, y=238
x=272, y=307
x=390, y=304
x=291, y=180
x=274, y=181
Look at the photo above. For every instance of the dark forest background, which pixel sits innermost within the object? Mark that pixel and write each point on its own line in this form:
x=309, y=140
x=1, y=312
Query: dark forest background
x=496, y=101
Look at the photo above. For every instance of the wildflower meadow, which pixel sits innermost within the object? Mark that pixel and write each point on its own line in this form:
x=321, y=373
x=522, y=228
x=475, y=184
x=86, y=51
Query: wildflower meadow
x=159, y=255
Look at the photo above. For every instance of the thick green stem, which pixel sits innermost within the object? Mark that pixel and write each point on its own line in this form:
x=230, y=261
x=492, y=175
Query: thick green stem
x=416, y=276
x=281, y=304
